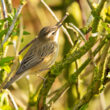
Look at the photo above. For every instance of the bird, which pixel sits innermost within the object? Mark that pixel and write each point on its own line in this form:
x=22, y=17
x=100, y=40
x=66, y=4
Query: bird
x=41, y=54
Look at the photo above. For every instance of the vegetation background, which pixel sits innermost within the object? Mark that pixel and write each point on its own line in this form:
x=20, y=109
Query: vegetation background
x=80, y=80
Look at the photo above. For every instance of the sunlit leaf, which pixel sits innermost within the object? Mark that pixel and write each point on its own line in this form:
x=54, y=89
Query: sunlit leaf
x=107, y=19
x=14, y=33
x=6, y=68
x=26, y=33
x=6, y=107
x=3, y=32
x=10, y=43
x=3, y=20
x=5, y=60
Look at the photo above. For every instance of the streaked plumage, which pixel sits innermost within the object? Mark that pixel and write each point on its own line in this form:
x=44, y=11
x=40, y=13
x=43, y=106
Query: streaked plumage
x=40, y=56
x=42, y=53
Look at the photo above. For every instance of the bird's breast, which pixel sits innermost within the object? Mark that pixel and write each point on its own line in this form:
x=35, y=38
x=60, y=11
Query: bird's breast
x=47, y=61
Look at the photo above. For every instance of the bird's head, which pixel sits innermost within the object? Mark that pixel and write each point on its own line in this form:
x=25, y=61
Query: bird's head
x=51, y=32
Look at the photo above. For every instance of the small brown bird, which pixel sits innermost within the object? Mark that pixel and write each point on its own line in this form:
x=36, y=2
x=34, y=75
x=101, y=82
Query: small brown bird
x=42, y=53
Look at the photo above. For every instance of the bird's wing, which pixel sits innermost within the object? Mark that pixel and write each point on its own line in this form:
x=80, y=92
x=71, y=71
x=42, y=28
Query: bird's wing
x=35, y=55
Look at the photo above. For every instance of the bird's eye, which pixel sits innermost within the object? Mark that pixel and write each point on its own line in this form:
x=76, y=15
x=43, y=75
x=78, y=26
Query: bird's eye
x=53, y=33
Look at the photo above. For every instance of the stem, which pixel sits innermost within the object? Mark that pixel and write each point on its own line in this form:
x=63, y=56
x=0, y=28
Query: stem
x=71, y=57
x=59, y=93
x=56, y=70
x=74, y=28
x=13, y=23
x=95, y=85
x=4, y=9
x=20, y=36
x=12, y=100
x=8, y=5
x=97, y=16
x=90, y=4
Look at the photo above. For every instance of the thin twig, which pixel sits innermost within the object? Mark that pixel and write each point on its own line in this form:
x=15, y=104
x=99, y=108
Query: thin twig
x=95, y=85
x=4, y=9
x=90, y=4
x=8, y=5
x=16, y=59
x=61, y=91
x=13, y=23
x=12, y=100
x=64, y=29
x=74, y=28
x=4, y=13
x=20, y=36
x=77, y=83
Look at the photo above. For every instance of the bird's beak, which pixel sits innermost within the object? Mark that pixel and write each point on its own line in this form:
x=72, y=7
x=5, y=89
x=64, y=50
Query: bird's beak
x=59, y=24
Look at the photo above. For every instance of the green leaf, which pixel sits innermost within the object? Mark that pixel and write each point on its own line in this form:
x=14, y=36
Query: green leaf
x=7, y=68
x=10, y=43
x=14, y=33
x=9, y=19
x=15, y=11
x=3, y=20
x=26, y=33
x=3, y=32
x=6, y=60
x=22, y=40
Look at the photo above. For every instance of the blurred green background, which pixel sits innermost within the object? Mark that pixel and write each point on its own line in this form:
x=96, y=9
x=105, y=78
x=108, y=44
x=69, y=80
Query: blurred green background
x=35, y=16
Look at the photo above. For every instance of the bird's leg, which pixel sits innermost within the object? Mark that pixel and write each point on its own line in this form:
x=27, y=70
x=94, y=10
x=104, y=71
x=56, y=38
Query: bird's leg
x=44, y=79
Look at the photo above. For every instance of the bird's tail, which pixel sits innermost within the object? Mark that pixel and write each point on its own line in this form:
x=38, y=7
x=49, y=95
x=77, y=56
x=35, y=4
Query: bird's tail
x=14, y=78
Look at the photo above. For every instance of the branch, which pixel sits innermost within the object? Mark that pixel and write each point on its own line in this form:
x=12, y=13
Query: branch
x=8, y=5
x=96, y=14
x=16, y=59
x=20, y=36
x=74, y=76
x=4, y=9
x=74, y=28
x=58, y=94
x=12, y=100
x=58, y=67
x=95, y=85
x=4, y=13
x=90, y=4
x=71, y=57
x=13, y=23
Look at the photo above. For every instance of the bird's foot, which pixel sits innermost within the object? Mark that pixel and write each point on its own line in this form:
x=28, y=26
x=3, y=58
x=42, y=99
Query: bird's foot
x=44, y=79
